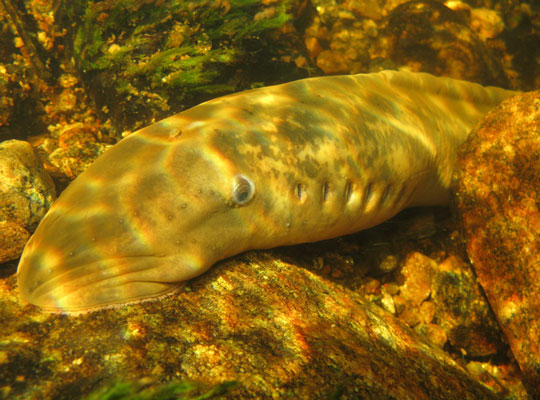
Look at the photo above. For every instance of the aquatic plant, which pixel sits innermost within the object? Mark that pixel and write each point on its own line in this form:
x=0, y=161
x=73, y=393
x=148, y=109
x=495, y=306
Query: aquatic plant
x=140, y=59
x=182, y=390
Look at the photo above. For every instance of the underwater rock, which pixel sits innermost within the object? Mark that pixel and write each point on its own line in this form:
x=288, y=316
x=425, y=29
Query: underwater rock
x=26, y=193
x=486, y=23
x=279, y=330
x=462, y=311
x=498, y=192
x=442, y=301
x=416, y=35
x=13, y=237
x=74, y=148
x=339, y=41
x=427, y=36
x=6, y=101
x=417, y=271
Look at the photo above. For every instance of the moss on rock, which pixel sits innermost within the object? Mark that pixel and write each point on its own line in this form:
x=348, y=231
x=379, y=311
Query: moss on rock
x=142, y=60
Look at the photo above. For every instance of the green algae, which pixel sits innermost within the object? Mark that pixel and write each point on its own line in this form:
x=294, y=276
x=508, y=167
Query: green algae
x=167, y=391
x=142, y=60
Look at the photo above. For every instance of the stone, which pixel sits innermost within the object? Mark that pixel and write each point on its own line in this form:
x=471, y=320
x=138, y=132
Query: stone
x=6, y=101
x=427, y=36
x=498, y=197
x=279, y=330
x=77, y=149
x=417, y=273
x=462, y=311
x=26, y=193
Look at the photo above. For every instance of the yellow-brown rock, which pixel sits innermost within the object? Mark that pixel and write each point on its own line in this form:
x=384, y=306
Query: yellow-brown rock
x=26, y=193
x=498, y=201
x=277, y=329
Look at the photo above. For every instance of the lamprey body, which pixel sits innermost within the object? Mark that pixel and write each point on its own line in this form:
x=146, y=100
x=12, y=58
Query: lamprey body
x=298, y=162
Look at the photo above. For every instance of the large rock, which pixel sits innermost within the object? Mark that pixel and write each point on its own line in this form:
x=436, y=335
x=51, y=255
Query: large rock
x=498, y=198
x=280, y=330
x=430, y=36
x=26, y=193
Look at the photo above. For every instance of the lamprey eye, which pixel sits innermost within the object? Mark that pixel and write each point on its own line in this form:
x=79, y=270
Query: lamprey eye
x=243, y=190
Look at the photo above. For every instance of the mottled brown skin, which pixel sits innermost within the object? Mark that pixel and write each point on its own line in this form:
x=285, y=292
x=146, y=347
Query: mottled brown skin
x=298, y=162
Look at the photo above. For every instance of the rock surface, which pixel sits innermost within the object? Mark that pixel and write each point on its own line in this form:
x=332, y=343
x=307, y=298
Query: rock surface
x=462, y=311
x=352, y=36
x=498, y=197
x=430, y=35
x=26, y=193
x=280, y=330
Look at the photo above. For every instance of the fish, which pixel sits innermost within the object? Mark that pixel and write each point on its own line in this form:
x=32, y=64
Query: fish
x=298, y=162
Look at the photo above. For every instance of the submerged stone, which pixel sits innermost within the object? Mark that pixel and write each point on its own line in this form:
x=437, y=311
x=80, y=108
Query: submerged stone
x=498, y=193
x=277, y=329
x=26, y=193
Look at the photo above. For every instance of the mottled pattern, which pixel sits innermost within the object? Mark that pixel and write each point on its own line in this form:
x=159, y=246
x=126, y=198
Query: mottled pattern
x=326, y=156
x=26, y=193
x=498, y=201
